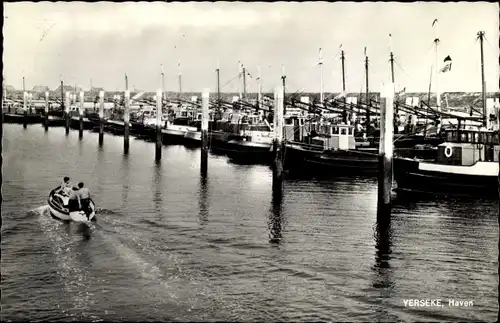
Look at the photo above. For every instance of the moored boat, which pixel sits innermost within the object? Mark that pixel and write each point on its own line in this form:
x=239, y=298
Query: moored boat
x=254, y=143
x=58, y=209
x=466, y=164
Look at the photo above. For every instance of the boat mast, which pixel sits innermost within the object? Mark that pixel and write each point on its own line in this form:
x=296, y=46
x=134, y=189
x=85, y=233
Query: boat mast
x=259, y=95
x=283, y=77
x=367, y=92
x=218, y=85
x=62, y=94
x=391, y=59
x=342, y=57
x=126, y=82
x=239, y=76
x=180, y=78
x=480, y=35
x=162, y=90
x=321, y=76
x=438, y=93
x=244, y=84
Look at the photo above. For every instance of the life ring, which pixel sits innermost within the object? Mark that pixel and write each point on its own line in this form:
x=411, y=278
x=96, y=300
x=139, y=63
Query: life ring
x=448, y=151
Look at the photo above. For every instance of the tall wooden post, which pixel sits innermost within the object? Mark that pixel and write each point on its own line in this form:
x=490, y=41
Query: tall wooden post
x=101, y=117
x=25, y=109
x=126, y=122
x=158, y=124
x=205, y=97
x=47, y=111
x=80, y=130
x=386, y=148
x=278, y=139
x=66, y=111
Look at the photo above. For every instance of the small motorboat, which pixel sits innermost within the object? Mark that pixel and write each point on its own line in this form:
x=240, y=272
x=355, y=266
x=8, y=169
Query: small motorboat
x=59, y=210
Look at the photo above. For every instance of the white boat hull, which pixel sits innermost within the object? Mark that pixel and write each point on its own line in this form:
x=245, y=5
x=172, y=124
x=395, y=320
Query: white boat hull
x=59, y=211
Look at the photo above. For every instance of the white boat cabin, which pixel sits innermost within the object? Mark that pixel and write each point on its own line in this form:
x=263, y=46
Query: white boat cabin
x=335, y=137
x=466, y=147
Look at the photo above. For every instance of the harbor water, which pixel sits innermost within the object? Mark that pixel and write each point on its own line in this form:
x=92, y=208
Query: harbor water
x=171, y=245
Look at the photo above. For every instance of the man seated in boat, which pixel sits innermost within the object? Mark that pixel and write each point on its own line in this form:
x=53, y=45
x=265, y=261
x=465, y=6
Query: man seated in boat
x=84, y=198
x=74, y=203
x=64, y=190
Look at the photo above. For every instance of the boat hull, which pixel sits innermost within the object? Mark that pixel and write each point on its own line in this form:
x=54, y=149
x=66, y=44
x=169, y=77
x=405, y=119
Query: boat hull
x=192, y=139
x=248, y=152
x=19, y=118
x=342, y=162
x=88, y=124
x=59, y=212
x=415, y=176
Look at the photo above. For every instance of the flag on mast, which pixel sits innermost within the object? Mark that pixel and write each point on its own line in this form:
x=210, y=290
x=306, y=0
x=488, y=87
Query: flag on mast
x=320, y=54
x=365, y=51
x=447, y=64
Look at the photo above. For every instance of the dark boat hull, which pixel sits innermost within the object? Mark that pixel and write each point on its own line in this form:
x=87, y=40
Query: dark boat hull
x=19, y=118
x=87, y=123
x=343, y=162
x=247, y=152
x=218, y=141
x=410, y=178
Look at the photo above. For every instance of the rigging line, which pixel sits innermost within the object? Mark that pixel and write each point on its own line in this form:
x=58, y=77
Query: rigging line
x=395, y=60
x=231, y=80
x=489, y=44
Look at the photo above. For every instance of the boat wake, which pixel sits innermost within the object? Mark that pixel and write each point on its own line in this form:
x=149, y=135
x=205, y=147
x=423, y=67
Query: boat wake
x=73, y=273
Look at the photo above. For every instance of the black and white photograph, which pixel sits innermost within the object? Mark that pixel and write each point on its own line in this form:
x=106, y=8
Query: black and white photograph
x=250, y=161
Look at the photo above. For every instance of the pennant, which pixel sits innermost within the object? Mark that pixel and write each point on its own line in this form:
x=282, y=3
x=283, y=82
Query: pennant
x=447, y=65
x=434, y=22
x=250, y=75
x=365, y=51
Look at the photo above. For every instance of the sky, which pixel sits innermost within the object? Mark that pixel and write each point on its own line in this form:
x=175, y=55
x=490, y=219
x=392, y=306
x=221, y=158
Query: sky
x=100, y=42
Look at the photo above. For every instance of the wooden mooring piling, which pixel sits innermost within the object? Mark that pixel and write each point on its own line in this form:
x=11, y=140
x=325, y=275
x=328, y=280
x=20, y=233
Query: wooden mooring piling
x=278, y=140
x=386, y=149
x=205, y=97
x=101, y=118
x=158, y=124
x=126, y=122
x=66, y=112
x=46, y=111
x=80, y=130
x=25, y=110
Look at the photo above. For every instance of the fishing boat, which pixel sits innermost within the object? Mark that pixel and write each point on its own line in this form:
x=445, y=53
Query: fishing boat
x=254, y=143
x=332, y=151
x=467, y=164
x=59, y=210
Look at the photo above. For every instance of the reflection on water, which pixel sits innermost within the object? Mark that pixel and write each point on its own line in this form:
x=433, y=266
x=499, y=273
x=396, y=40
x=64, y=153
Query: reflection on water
x=173, y=244
x=276, y=217
x=203, y=203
